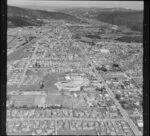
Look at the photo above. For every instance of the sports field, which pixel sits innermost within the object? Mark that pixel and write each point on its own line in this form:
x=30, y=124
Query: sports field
x=50, y=80
x=65, y=101
x=28, y=100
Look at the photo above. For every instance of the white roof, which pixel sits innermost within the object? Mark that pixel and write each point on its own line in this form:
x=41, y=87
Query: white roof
x=104, y=50
x=140, y=123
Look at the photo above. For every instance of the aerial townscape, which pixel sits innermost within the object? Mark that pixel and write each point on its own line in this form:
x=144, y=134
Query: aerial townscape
x=73, y=75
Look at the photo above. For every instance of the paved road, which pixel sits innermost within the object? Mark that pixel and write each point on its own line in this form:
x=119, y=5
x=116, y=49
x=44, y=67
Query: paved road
x=28, y=63
x=124, y=113
x=33, y=55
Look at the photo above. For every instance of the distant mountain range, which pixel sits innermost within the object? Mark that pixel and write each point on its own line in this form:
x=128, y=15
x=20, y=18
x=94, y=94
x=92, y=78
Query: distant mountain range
x=118, y=16
x=27, y=17
x=132, y=19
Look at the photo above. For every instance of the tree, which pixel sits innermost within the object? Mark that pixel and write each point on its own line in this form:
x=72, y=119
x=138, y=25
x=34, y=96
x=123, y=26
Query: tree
x=103, y=68
x=100, y=89
x=24, y=106
x=118, y=96
x=41, y=86
x=82, y=88
x=98, y=68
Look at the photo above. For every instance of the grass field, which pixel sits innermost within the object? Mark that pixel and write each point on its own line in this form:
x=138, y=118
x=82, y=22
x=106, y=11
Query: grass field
x=35, y=87
x=17, y=54
x=39, y=99
x=23, y=98
x=59, y=99
x=54, y=99
x=29, y=100
x=34, y=100
x=49, y=81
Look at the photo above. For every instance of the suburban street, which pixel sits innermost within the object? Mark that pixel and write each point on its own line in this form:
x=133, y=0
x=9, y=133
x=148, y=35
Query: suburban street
x=124, y=113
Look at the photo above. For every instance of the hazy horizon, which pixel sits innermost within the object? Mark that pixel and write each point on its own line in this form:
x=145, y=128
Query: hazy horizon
x=134, y=5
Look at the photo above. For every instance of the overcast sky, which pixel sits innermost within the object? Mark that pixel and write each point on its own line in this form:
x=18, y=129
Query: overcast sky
x=103, y=4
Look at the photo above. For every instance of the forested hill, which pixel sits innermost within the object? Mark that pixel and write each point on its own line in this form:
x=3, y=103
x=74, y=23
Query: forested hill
x=123, y=17
x=24, y=17
x=118, y=16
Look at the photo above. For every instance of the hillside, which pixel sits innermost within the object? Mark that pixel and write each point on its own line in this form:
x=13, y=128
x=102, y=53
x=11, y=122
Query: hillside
x=24, y=17
x=118, y=16
x=132, y=19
